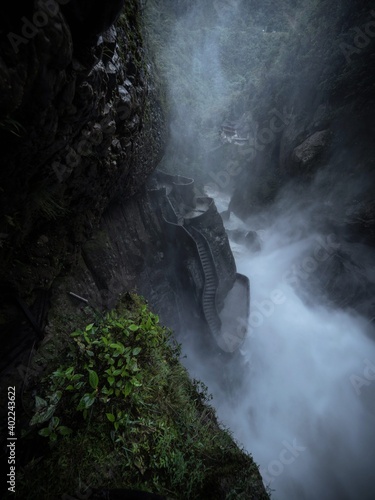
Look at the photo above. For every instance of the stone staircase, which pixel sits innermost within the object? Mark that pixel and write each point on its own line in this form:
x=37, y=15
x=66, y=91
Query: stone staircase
x=174, y=218
x=211, y=281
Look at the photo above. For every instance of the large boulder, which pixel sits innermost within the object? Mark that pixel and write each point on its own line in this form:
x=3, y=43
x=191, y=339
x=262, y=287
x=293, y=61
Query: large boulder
x=307, y=155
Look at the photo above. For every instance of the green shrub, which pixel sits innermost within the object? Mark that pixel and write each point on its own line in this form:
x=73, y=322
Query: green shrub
x=121, y=411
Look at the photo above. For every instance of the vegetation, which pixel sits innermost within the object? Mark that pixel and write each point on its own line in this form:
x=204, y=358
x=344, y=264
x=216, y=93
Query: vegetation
x=243, y=59
x=213, y=56
x=119, y=410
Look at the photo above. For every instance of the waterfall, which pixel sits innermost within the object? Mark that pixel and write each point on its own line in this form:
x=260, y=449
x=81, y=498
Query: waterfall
x=305, y=407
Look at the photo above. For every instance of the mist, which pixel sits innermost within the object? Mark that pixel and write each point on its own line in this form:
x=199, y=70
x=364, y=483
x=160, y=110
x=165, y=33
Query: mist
x=302, y=398
x=305, y=405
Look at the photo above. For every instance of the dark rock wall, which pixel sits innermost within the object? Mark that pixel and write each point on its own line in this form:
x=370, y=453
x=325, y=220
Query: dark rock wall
x=80, y=124
x=82, y=128
x=313, y=111
x=320, y=152
x=136, y=249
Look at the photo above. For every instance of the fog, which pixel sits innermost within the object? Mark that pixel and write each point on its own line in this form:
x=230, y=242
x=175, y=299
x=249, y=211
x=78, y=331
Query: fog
x=302, y=398
x=305, y=407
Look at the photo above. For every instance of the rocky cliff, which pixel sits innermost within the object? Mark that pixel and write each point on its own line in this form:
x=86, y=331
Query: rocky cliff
x=82, y=129
x=310, y=127
x=81, y=125
x=311, y=112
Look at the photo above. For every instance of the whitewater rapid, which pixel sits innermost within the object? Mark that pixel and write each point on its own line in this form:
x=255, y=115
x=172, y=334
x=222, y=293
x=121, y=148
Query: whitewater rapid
x=305, y=407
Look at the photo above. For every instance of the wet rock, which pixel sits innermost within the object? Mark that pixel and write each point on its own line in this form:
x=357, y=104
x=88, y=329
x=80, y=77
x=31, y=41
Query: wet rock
x=73, y=126
x=309, y=152
x=250, y=239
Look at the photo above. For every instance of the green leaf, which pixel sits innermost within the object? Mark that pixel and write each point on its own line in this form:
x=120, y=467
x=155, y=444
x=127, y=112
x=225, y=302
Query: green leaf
x=119, y=348
x=136, y=382
x=54, y=422
x=111, y=417
x=40, y=403
x=127, y=389
x=136, y=351
x=44, y=432
x=93, y=379
x=133, y=328
x=89, y=327
x=53, y=436
x=43, y=415
x=111, y=380
x=107, y=391
x=86, y=401
x=55, y=397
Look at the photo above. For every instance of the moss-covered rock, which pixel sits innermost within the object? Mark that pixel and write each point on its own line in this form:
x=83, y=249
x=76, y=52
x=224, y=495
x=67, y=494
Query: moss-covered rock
x=120, y=411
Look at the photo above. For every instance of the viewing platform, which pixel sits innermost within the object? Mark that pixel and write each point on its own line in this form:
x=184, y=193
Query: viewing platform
x=186, y=214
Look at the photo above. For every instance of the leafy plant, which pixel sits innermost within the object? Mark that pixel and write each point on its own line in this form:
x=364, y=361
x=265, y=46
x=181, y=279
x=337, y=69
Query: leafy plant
x=122, y=401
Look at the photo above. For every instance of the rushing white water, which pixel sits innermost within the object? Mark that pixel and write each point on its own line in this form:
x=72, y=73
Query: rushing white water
x=305, y=409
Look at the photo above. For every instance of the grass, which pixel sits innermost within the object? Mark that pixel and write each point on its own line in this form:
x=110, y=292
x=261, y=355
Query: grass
x=118, y=410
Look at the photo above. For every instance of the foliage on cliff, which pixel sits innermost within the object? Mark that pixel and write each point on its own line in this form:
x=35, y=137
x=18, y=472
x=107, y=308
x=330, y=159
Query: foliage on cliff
x=119, y=410
x=250, y=61
x=212, y=56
